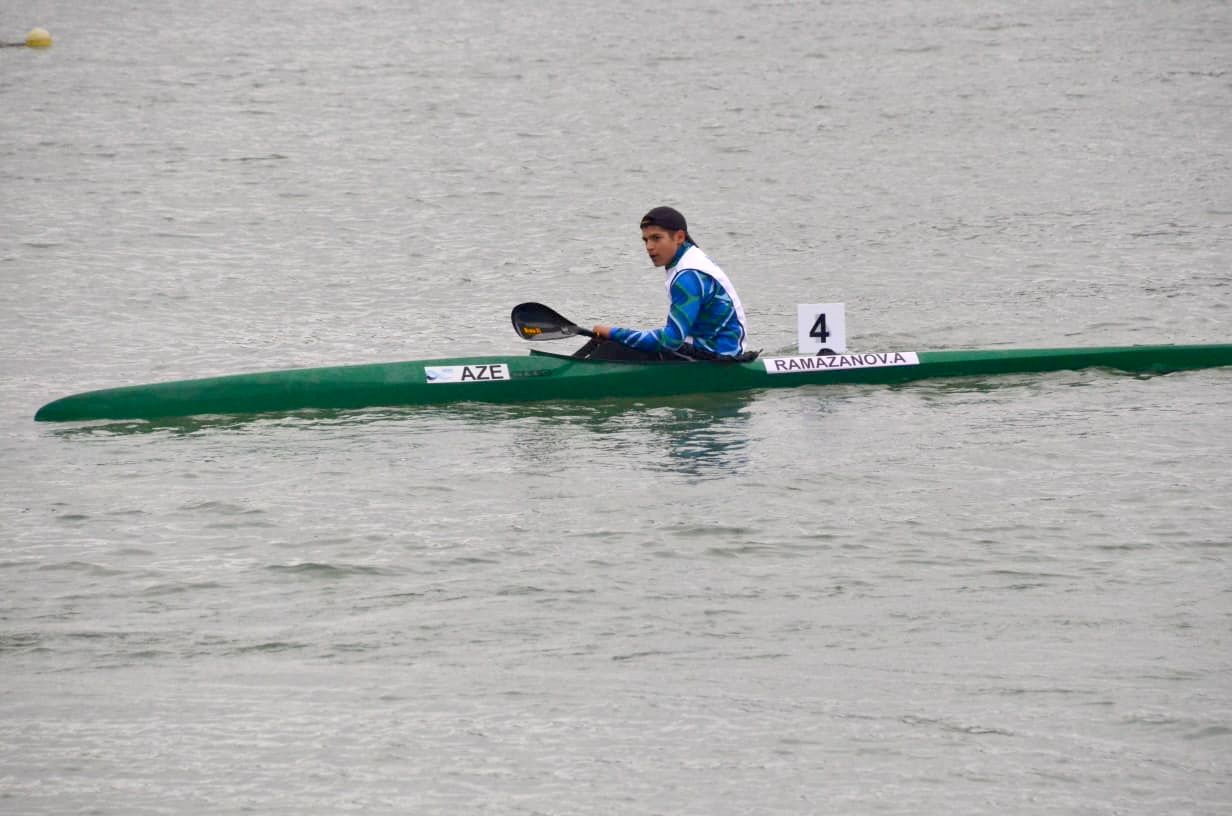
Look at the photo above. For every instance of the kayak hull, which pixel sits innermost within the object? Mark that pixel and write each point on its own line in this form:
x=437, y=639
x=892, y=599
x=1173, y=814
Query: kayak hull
x=540, y=376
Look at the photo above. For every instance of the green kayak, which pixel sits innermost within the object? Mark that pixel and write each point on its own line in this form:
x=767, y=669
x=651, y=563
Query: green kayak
x=542, y=376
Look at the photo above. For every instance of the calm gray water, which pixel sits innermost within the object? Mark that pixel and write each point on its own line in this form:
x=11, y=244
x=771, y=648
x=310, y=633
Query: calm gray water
x=982, y=596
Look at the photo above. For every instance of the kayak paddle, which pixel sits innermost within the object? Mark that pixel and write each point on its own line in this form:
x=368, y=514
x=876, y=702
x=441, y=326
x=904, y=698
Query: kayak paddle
x=534, y=321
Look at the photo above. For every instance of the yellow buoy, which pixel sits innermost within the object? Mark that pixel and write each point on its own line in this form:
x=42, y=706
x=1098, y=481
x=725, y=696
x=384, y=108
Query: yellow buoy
x=38, y=38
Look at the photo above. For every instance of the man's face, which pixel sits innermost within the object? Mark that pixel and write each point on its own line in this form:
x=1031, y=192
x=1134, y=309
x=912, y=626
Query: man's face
x=662, y=244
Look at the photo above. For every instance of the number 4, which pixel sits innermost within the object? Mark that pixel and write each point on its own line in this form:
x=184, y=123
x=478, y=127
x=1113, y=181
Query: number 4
x=819, y=328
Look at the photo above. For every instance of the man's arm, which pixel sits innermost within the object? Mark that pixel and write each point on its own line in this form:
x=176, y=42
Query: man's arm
x=686, y=294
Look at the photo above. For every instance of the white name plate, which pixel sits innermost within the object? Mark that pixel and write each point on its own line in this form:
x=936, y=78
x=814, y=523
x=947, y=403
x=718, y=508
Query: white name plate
x=476, y=372
x=839, y=362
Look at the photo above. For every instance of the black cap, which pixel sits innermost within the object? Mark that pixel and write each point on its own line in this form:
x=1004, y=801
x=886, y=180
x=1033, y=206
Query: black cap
x=669, y=219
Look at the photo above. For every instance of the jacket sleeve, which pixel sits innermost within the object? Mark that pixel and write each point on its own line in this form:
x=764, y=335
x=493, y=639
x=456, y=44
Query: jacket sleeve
x=686, y=295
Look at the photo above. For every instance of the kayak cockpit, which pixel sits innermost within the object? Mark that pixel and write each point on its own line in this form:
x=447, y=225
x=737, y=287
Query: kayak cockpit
x=606, y=351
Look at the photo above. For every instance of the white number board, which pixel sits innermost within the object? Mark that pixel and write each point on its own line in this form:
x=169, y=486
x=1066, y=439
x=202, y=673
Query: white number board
x=821, y=326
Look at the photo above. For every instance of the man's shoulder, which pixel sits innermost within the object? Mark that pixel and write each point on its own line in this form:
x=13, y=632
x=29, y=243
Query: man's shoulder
x=691, y=279
x=694, y=256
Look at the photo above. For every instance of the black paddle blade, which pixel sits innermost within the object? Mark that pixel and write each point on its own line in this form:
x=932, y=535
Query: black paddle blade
x=534, y=321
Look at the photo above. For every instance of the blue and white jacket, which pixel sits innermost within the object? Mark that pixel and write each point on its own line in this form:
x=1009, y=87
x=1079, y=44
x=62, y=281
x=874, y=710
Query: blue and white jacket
x=705, y=310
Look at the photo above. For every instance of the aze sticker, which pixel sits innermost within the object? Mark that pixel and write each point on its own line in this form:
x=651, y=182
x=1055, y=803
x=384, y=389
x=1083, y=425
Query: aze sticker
x=839, y=362
x=476, y=372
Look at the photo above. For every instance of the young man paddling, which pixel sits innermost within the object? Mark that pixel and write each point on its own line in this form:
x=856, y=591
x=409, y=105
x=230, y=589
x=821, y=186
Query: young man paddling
x=705, y=319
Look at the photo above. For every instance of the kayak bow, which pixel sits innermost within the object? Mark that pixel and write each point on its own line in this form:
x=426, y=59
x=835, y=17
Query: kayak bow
x=540, y=376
